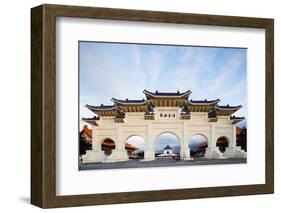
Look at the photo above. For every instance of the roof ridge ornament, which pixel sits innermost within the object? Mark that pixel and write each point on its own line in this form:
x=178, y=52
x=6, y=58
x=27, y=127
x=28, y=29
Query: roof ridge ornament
x=166, y=94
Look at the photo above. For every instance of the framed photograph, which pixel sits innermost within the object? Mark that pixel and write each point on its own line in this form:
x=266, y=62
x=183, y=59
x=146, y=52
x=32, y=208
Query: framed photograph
x=137, y=106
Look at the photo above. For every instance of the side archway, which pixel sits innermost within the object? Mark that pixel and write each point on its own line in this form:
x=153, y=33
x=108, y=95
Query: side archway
x=197, y=145
x=107, y=145
x=135, y=146
x=222, y=142
x=167, y=145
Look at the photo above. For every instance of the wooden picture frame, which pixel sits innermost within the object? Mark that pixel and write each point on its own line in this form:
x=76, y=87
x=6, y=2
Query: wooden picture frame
x=43, y=105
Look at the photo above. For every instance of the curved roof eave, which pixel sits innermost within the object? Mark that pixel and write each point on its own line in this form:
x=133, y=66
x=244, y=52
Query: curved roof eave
x=166, y=95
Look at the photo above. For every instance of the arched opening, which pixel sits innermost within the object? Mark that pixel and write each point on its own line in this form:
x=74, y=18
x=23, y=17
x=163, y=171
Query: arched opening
x=167, y=146
x=197, y=145
x=135, y=147
x=222, y=143
x=107, y=146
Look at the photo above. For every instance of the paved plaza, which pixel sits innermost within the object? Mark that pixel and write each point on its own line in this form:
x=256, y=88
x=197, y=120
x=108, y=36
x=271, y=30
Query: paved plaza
x=164, y=162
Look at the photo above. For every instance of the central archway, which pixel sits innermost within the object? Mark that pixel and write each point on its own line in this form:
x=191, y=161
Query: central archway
x=197, y=145
x=135, y=147
x=167, y=146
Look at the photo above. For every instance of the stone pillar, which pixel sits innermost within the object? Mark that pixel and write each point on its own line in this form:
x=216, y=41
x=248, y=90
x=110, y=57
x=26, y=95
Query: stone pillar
x=182, y=150
x=96, y=154
x=96, y=145
x=212, y=142
x=233, y=142
x=212, y=151
x=233, y=151
x=120, y=144
x=149, y=152
x=185, y=144
x=120, y=153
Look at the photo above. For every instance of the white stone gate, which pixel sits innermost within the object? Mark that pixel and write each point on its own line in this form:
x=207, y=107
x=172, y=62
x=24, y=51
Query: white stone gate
x=160, y=113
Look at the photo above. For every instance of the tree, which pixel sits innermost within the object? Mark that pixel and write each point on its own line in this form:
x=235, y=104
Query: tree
x=83, y=146
x=242, y=139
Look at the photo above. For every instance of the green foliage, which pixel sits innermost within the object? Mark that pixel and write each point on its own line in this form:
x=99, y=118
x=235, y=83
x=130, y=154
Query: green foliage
x=141, y=154
x=83, y=145
x=242, y=139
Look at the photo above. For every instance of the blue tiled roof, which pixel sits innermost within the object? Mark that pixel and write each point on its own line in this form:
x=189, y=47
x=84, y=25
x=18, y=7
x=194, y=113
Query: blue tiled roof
x=167, y=147
x=102, y=106
x=130, y=100
x=157, y=93
x=203, y=101
x=228, y=107
x=234, y=117
x=90, y=119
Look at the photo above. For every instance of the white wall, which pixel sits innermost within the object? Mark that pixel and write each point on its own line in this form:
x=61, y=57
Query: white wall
x=15, y=103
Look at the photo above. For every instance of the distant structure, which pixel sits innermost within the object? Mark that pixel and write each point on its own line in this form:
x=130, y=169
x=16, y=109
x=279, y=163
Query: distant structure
x=159, y=113
x=168, y=150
